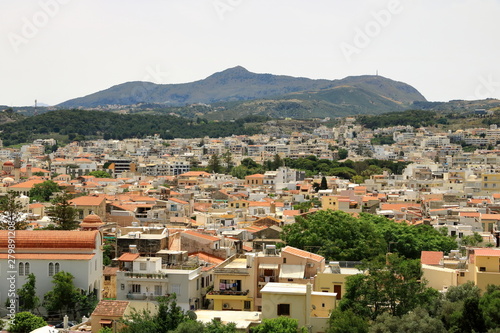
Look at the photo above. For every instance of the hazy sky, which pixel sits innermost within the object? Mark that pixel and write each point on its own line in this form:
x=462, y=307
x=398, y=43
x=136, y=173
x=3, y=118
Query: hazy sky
x=55, y=50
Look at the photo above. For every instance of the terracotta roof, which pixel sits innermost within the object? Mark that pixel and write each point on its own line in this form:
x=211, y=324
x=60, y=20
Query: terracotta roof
x=128, y=256
x=110, y=308
x=194, y=173
x=397, y=206
x=302, y=253
x=490, y=216
x=50, y=256
x=487, y=252
x=28, y=184
x=178, y=201
x=291, y=212
x=470, y=214
x=110, y=270
x=197, y=234
x=51, y=239
x=257, y=175
x=207, y=257
x=431, y=257
x=89, y=200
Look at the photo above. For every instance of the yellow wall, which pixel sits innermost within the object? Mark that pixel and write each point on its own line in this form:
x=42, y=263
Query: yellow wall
x=329, y=202
x=297, y=306
x=327, y=281
x=439, y=277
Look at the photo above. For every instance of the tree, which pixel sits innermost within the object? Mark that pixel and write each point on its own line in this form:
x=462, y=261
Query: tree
x=336, y=235
x=100, y=174
x=324, y=184
x=62, y=213
x=168, y=318
x=228, y=161
x=217, y=327
x=343, y=153
x=25, y=322
x=417, y=321
x=12, y=215
x=214, y=164
x=347, y=322
x=64, y=296
x=28, y=300
x=278, y=325
x=490, y=305
x=472, y=319
x=277, y=162
x=43, y=191
x=390, y=284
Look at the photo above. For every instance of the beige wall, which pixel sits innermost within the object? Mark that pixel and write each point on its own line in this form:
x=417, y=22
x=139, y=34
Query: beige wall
x=440, y=277
x=297, y=306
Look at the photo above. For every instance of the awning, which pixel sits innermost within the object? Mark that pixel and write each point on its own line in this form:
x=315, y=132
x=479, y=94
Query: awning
x=292, y=271
x=268, y=266
x=105, y=321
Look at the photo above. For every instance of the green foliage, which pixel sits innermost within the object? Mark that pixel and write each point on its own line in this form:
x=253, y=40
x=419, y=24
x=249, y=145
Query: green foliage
x=462, y=292
x=382, y=140
x=168, y=318
x=343, y=153
x=417, y=321
x=391, y=284
x=217, y=327
x=105, y=330
x=415, y=118
x=471, y=240
x=62, y=213
x=335, y=235
x=490, y=306
x=43, y=191
x=66, y=298
x=28, y=300
x=347, y=322
x=278, y=325
x=25, y=322
x=11, y=212
x=214, y=164
x=100, y=174
x=78, y=125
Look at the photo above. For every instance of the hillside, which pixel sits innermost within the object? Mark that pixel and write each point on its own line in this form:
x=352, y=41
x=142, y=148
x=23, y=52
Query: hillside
x=67, y=125
x=238, y=84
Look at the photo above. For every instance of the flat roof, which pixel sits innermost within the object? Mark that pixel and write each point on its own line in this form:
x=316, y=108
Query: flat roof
x=242, y=319
x=284, y=288
x=237, y=263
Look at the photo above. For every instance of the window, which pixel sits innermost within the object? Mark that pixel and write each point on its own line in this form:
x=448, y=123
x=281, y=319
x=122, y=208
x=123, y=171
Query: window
x=27, y=268
x=284, y=260
x=283, y=309
x=107, y=278
x=158, y=290
x=462, y=274
x=136, y=288
x=175, y=288
x=142, y=266
x=51, y=269
x=247, y=305
x=21, y=269
x=482, y=269
x=56, y=268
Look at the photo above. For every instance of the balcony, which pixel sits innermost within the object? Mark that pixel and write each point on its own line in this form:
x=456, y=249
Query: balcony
x=145, y=276
x=228, y=293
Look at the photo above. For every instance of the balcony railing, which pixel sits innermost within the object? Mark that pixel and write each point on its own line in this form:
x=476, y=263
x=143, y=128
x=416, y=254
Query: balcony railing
x=229, y=292
x=157, y=276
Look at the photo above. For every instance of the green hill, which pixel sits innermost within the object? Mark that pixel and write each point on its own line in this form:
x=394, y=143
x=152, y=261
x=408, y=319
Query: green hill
x=238, y=84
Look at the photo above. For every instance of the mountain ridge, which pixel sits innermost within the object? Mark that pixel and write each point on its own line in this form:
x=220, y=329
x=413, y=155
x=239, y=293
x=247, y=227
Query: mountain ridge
x=238, y=84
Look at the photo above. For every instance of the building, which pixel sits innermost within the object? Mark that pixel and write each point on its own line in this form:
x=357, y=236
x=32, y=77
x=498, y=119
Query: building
x=47, y=252
x=311, y=308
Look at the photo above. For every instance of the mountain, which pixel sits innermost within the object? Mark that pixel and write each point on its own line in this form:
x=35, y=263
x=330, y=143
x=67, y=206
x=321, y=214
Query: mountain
x=239, y=84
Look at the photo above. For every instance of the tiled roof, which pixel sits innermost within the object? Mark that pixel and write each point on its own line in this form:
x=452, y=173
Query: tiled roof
x=431, y=257
x=89, y=200
x=51, y=239
x=110, y=308
x=490, y=216
x=302, y=253
x=487, y=252
x=128, y=256
x=110, y=270
x=178, y=201
x=28, y=184
x=397, y=206
x=207, y=257
x=50, y=256
x=197, y=234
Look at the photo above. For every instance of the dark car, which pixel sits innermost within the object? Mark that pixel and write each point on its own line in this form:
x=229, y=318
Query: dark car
x=61, y=324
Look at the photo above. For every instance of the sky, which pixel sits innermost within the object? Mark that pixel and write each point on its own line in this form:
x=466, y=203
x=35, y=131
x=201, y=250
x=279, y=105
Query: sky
x=55, y=50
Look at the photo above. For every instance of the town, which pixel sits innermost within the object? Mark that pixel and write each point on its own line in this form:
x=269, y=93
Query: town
x=204, y=219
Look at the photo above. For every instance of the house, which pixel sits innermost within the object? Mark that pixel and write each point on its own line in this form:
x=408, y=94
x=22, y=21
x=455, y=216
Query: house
x=47, y=252
x=90, y=204
x=311, y=308
x=146, y=278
